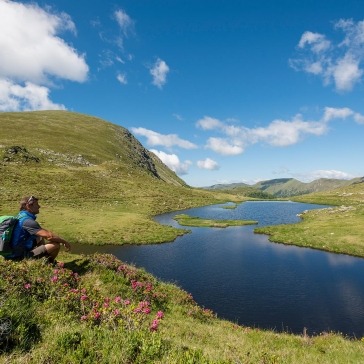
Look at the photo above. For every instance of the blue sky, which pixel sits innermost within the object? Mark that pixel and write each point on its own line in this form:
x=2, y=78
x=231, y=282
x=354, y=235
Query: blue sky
x=223, y=91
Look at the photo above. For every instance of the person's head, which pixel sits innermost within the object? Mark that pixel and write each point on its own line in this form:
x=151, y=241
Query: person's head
x=29, y=203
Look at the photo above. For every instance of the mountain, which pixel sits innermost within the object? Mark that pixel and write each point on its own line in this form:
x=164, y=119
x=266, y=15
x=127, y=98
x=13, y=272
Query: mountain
x=67, y=139
x=285, y=187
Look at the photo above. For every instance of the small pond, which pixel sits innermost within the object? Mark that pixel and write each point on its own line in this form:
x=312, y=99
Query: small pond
x=245, y=278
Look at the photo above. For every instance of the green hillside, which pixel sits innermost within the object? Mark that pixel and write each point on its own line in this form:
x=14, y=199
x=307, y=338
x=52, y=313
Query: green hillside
x=286, y=187
x=95, y=181
x=283, y=187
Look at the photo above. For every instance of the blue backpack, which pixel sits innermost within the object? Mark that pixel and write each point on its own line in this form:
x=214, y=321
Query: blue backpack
x=7, y=224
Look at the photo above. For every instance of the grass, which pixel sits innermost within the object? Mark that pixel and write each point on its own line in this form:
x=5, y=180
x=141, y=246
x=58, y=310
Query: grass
x=98, y=309
x=186, y=220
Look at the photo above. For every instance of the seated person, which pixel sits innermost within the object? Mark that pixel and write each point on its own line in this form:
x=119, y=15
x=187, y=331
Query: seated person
x=29, y=239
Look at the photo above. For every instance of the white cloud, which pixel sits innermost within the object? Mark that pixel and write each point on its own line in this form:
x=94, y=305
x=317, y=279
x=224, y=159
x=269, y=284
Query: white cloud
x=172, y=161
x=209, y=123
x=317, y=42
x=331, y=113
x=166, y=140
x=14, y=97
x=347, y=73
x=159, y=73
x=341, y=63
x=121, y=77
x=30, y=49
x=208, y=164
x=279, y=133
x=33, y=56
x=311, y=176
x=224, y=147
x=125, y=22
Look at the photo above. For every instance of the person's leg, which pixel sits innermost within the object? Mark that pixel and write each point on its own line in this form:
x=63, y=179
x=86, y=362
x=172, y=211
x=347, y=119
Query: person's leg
x=52, y=250
x=49, y=251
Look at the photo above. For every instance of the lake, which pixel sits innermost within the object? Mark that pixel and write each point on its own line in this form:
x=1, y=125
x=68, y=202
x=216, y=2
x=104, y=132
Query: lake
x=246, y=279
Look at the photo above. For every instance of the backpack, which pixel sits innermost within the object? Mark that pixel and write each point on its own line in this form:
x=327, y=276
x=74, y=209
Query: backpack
x=7, y=224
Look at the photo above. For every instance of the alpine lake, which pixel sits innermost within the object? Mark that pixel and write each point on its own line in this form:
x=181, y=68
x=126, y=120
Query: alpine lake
x=245, y=278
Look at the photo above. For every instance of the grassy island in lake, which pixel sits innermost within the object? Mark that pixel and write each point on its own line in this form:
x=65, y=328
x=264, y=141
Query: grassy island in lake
x=187, y=220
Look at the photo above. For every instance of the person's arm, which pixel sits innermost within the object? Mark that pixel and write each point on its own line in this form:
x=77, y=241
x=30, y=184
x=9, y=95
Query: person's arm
x=52, y=238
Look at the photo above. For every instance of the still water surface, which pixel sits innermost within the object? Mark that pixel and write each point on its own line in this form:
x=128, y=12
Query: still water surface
x=245, y=278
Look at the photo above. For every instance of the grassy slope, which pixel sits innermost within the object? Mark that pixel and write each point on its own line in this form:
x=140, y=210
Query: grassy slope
x=96, y=182
x=53, y=320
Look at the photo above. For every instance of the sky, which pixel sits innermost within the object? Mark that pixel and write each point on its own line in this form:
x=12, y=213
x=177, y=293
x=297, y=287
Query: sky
x=222, y=91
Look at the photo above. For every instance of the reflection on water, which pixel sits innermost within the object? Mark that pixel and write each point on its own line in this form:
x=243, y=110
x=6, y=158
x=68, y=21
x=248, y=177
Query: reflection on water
x=247, y=279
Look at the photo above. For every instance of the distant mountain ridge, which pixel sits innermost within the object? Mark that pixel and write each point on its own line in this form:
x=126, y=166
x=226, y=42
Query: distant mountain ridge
x=286, y=187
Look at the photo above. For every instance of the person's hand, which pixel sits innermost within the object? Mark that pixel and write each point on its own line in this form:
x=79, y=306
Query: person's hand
x=67, y=245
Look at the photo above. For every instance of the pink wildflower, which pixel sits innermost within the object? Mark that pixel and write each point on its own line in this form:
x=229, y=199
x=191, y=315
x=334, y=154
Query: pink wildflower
x=54, y=279
x=160, y=315
x=117, y=299
x=83, y=318
x=97, y=315
x=154, y=325
x=126, y=302
x=83, y=297
x=60, y=264
x=116, y=312
x=27, y=285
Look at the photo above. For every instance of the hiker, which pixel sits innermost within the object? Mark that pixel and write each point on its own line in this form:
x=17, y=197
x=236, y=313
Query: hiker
x=29, y=239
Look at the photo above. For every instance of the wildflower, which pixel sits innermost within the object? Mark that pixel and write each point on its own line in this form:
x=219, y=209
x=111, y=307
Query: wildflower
x=154, y=325
x=160, y=315
x=117, y=299
x=116, y=312
x=60, y=264
x=97, y=315
x=126, y=302
x=27, y=285
x=54, y=279
x=83, y=318
x=149, y=287
x=83, y=297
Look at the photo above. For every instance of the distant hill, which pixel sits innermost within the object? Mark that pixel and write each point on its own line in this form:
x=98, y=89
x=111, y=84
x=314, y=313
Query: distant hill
x=286, y=187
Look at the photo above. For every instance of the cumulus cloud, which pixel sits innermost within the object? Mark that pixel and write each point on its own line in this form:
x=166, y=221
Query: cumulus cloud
x=172, y=161
x=209, y=123
x=166, y=140
x=279, y=133
x=341, y=63
x=224, y=146
x=15, y=97
x=33, y=55
x=159, y=73
x=208, y=163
